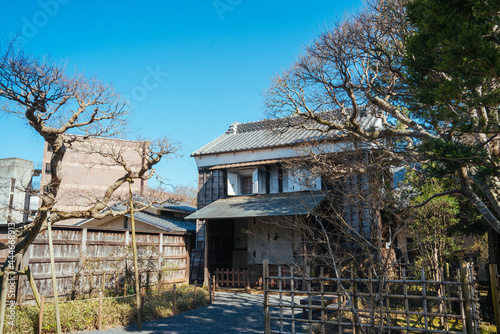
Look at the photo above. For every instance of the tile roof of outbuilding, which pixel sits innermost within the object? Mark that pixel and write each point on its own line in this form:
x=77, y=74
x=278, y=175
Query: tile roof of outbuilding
x=166, y=223
x=277, y=132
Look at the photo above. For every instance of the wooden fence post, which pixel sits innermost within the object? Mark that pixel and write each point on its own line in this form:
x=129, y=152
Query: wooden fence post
x=494, y=293
x=40, y=315
x=195, y=297
x=73, y=287
x=173, y=298
x=354, y=287
x=103, y=281
x=464, y=275
x=248, y=278
x=142, y=297
x=267, y=319
x=117, y=284
x=99, y=322
x=125, y=286
x=53, y=274
x=213, y=291
x=209, y=289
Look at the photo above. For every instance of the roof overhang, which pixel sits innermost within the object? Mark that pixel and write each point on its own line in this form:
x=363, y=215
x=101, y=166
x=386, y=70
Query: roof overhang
x=268, y=205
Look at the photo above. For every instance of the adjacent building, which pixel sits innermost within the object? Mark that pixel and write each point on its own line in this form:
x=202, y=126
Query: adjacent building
x=89, y=168
x=17, y=198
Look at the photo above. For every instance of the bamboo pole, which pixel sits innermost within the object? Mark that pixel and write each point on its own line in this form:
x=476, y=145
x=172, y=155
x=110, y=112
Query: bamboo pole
x=136, y=265
x=33, y=285
x=99, y=322
x=280, y=293
x=40, y=315
x=424, y=300
x=267, y=319
x=53, y=273
x=292, y=298
x=324, y=313
x=405, y=294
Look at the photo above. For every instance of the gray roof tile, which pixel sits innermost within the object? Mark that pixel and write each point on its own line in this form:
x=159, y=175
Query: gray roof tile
x=165, y=223
x=274, y=133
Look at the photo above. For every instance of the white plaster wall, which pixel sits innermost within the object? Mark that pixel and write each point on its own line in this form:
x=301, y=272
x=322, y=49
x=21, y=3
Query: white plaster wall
x=267, y=239
x=262, y=154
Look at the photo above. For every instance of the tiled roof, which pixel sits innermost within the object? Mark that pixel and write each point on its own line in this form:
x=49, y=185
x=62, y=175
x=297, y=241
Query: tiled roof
x=274, y=133
x=265, y=205
x=165, y=223
x=177, y=206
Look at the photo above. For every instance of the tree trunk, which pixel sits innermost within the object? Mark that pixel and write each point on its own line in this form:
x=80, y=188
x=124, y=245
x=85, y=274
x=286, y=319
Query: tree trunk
x=53, y=273
x=136, y=266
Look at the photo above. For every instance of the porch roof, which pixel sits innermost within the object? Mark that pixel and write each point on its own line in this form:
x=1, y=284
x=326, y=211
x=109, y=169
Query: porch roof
x=266, y=205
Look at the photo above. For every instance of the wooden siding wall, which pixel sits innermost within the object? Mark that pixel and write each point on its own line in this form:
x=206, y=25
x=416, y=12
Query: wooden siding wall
x=212, y=185
x=103, y=246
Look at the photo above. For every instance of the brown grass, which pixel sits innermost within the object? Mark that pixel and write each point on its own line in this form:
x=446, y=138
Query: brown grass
x=82, y=315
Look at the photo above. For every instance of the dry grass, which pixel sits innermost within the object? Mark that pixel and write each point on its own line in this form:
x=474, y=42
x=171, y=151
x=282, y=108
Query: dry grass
x=82, y=315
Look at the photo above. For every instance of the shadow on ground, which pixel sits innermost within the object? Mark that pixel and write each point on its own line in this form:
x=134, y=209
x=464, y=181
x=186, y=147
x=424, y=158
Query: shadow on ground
x=230, y=313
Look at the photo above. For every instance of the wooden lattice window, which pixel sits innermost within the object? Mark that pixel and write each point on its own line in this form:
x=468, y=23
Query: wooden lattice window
x=246, y=185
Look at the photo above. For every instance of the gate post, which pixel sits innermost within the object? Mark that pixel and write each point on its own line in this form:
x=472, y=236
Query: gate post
x=494, y=294
x=265, y=279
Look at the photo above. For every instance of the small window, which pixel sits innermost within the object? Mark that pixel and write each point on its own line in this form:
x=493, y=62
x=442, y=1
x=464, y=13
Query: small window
x=12, y=185
x=49, y=148
x=47, y=168
x=246, y=185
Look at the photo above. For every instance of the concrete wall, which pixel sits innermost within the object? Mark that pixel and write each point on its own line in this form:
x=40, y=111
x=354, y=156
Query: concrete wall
x=15, y=178
x=87, y=174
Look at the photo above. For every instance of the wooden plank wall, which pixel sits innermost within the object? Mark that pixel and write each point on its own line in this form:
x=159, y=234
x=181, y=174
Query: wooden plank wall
x=103, y=247
x=211, y=186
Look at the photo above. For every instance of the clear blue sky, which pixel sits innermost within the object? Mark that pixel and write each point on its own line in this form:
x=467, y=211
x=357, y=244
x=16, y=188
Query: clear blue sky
x=213, y=61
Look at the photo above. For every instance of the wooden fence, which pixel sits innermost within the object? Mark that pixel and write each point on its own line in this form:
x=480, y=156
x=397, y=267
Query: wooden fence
x=90, y=258
x=232, y=277
x=353, y=304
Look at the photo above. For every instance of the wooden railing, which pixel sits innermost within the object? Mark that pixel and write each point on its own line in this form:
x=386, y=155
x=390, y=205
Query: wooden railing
x=232, y=277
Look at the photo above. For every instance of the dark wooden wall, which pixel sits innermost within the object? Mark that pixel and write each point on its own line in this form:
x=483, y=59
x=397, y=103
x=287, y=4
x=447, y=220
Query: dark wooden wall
x=212, y=185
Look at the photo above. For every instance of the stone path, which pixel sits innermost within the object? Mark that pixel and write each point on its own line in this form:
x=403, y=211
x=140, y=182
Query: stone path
x=230, y=313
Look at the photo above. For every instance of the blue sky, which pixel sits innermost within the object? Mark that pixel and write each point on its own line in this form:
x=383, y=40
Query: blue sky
x=212, y=61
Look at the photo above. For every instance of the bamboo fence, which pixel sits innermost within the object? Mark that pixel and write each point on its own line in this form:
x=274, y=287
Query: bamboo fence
x=408, y=302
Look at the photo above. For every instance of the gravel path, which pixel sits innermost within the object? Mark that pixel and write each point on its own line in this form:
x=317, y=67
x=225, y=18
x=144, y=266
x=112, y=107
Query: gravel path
x=230, y=313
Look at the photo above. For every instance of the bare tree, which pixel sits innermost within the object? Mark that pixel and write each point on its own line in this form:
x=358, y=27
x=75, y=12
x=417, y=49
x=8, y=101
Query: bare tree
x=357, y=68
x=187, y=194
x=64, y=109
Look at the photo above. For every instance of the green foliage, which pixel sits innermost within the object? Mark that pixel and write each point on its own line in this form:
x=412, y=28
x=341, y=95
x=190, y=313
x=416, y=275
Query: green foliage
x=453, y=59
x=448, y=156
x=82, y=315
x=433, y=223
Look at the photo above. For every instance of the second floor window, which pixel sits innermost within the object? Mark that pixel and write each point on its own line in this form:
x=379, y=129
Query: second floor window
x=246, y=185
